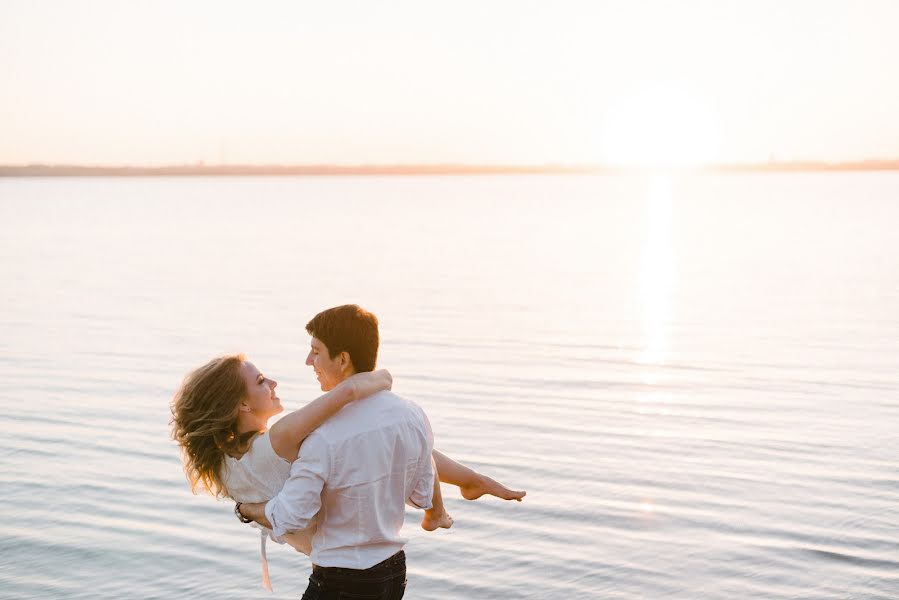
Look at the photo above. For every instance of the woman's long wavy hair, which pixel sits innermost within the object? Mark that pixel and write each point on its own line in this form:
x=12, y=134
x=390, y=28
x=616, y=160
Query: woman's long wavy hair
x=204, y=421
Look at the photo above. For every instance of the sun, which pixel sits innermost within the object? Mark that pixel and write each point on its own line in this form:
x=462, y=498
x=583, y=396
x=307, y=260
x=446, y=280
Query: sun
x=659, y=126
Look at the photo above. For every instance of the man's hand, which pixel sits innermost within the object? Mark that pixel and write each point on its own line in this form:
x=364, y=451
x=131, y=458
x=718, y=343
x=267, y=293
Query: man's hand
x=255, y=511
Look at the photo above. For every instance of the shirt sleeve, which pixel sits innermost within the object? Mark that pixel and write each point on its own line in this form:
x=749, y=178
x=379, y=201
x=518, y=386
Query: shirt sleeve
x=422, y=495
x=300, y=498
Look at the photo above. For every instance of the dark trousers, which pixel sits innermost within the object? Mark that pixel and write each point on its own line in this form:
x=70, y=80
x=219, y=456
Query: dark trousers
x=384, y=581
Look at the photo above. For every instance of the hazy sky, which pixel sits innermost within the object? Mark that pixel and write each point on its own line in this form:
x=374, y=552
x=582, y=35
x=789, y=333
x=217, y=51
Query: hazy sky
x=112, y=82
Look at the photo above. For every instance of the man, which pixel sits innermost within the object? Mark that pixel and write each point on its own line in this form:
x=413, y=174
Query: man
x=356, y=472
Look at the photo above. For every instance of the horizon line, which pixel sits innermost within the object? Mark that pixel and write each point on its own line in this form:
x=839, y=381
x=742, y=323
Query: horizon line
x=249, y=169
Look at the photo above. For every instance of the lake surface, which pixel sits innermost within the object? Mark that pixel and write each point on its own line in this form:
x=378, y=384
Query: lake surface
x=696, y=378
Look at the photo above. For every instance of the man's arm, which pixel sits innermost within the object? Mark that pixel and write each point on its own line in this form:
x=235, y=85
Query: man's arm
x=300, y=498
x=422, y=494
x=255, y=511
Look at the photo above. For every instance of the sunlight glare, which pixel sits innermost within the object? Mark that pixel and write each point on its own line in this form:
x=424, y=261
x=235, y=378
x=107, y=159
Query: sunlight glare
x=659, y=126
x=657, y=275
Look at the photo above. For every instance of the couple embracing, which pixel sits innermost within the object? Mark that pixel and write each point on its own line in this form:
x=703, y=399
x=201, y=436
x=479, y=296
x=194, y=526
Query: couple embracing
x=331, y=479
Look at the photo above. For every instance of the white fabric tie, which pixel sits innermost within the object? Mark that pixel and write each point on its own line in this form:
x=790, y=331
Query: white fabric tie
x=263, y=536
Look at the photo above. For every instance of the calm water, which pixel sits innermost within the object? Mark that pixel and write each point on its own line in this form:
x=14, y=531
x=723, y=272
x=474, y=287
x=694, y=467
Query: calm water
x=696, y=379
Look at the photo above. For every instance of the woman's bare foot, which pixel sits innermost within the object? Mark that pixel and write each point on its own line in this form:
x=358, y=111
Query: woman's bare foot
x=485, y=485
x=434, y=520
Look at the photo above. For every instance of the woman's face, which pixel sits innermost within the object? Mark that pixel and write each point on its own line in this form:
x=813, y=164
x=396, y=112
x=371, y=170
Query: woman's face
x=261, y=397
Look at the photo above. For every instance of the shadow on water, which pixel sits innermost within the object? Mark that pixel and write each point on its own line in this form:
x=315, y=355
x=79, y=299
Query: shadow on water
x=873, y=563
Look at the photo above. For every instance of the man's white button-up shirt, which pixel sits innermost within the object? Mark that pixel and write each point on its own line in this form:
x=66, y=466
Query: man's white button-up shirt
x=356, y=472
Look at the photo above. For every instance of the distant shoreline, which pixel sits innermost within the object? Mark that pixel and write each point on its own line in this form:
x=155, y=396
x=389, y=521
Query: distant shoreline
x=45, y=170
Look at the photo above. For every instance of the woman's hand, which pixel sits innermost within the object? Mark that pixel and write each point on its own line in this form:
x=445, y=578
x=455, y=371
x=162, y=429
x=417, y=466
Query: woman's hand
x=366, y=384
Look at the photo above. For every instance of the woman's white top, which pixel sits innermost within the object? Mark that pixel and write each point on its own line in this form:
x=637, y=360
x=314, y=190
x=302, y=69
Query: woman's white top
x=258, y=476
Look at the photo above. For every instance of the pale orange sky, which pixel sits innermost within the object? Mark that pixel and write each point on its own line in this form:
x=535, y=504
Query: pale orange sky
x=629, y=82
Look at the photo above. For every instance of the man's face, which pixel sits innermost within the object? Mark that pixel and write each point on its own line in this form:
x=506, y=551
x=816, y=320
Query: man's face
x=327, y=370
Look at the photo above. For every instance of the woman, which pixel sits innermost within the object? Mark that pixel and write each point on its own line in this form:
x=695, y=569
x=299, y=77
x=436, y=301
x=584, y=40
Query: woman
x=220, y=420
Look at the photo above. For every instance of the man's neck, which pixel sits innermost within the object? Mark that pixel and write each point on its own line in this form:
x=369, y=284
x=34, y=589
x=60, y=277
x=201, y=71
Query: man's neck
x=346, y=376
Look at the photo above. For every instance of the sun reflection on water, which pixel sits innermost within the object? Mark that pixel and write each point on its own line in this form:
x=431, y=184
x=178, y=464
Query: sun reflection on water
x=657, y=274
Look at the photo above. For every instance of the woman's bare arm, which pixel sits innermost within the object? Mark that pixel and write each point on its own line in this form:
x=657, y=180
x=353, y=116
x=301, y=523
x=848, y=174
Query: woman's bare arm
x=288, y=434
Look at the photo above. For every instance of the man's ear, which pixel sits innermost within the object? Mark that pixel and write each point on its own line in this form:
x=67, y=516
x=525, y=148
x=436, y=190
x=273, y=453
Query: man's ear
x=345, y=360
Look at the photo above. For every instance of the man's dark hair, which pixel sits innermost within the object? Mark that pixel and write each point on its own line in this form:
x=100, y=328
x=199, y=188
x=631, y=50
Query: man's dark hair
x=351, y=329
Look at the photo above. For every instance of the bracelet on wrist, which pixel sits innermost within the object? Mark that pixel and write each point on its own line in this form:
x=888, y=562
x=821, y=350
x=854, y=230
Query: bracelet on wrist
x=242, y=518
